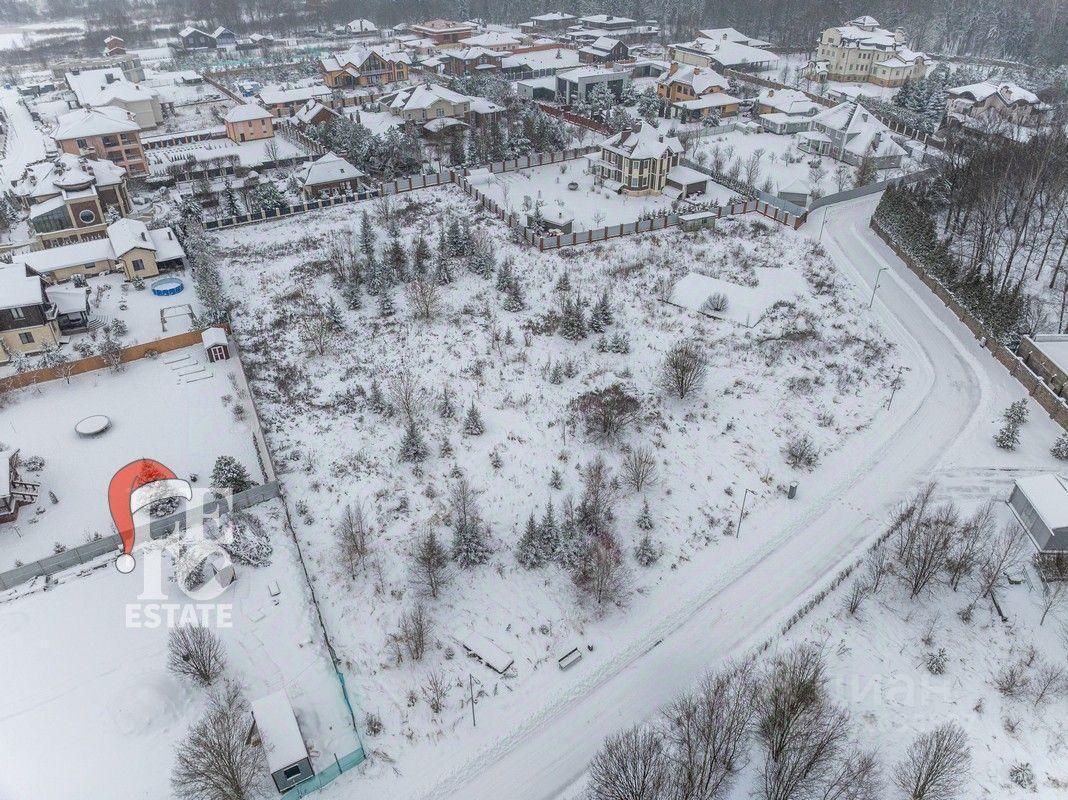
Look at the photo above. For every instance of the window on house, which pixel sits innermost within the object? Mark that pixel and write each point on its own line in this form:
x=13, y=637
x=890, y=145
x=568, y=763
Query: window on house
x=26, y=337
x=81, y=142
x=289, y=773
x=138, y=265
x=87, y=215
x=18, y=313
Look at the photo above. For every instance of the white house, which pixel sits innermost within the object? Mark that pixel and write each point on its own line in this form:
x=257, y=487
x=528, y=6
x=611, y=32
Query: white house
x=991, y=106
x=785, y=111
x=722, y=54
x=94, y=88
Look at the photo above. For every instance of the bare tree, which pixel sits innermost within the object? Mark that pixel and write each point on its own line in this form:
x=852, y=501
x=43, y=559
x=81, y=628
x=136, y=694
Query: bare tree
x=318, y=333
x=353, y=534
x=406, y=394
x=1055, y=596
x=935, y=765
x=218, y=760
x=795, y=682
x=414, y=631
x=430, y=563
x=195, y=652
x=629, y=766
x=684, y=369
x=1050, y=683
x=875, y=567
x=967, y=542
x=808, y=755
x=924, y=535
x=601, y=572
x=708, y=733
x=639, y=468
x=855, y=776
x=1003, y=552
x=435, y=691
x=424, y=298
x=607, y=412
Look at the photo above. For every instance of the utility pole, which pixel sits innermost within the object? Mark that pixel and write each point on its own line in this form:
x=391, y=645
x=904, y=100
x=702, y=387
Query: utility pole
x=741, y=513
x=471, y=690
x=878, y=275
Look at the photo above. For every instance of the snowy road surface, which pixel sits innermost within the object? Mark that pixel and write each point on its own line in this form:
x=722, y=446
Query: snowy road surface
x=24, y=143
x=799, y=545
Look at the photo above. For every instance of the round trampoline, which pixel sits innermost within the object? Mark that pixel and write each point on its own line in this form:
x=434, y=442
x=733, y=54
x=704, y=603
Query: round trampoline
x=165, y=287
x=93, y=426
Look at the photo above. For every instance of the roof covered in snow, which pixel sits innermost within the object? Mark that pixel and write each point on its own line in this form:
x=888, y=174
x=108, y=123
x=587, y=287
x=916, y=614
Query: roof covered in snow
x=862, y=132
x=700, y=79
x=646, y=142
x=65, y=172
x=277, y=726
x=329, y=168
x=17, y=289
x=94, y=122
x=1009, y=92
x=729, y=54
x=247, y=113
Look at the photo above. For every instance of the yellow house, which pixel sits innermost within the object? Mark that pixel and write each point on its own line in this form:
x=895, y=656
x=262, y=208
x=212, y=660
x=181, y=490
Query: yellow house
x=27, y=319
x=129, y=247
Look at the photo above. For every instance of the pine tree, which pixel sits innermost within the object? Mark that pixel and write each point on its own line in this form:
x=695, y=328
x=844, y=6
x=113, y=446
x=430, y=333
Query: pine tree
x=1009, y=435
x=229, y=473
x=572, y=320
x=473, y=423
x=563, y=283
x=548, y=534
x=333, y=313
x=504, y=276
x=1060, y=447
x=571, y=541
x=528, y=552
x=645, y=519
x=413, y=446
x=396, y=261
x=647, y=552
x=372, y=275
x=420, y=255
x=446, y=408
x=455, y=240
x=513, y=300
x=386, y=308
x=367, y=234
x=480, y=256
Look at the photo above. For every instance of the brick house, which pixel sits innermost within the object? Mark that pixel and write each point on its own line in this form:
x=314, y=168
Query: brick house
x=862, y=52
x=638, y=161
x=107, y=132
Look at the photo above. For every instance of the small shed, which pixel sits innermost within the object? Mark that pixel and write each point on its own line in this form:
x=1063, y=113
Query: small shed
x=1040, y=505
x=685, y=182
x=796, y=191
x=275, y=725
x=216, y=344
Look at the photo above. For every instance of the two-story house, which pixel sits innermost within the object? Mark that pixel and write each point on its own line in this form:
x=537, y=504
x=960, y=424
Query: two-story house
x=365, y=66
x=637, y=161
x=471, y=61
x=443, y=31
x=862, y=52
x=285, y=102
x=248, y=122
x=106, y=132
x=68, y=198
x=110, y=87
x=784, y=111
x=27, y=318
x=425, y=102
x=1002, y=107
x=602, y=50
x=850, y=133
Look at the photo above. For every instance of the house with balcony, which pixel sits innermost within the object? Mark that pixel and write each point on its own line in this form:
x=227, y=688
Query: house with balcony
x=997, y=108
x=848, y=132
x=68, y=198
x=249, y=122
x=425, y=103
x=129, y=247
x=14, y=491
x=862, y=52
x=110, y=87
x=365, y=66
x=471, y=61
x=443, y=32
x=637, y=161
x=27, y=318
x=285, y=102
x=106, y=132
x=696, y=93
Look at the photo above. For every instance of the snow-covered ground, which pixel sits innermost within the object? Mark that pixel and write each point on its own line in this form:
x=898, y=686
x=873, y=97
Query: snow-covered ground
x=24, y=142
x=251, y=154
x=25, y=34
x=176, y=408
x=589, y=205
x=709, y=451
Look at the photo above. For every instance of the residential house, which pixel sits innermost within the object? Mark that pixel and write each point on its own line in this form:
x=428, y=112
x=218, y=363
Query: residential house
x=362, y=28
x=579, y=82
x=114, y=46
x=315, y=113
x=67, y=198
x=106, y=132
x=224, y=37
x=603, y=50
x=27, y=318
x=731, y=35
x=849, y=132
x=549, y=23
x=492, y=40
x=110, y=87
x=426, y=102
x=365, y=66
x=862, y=52
x=590, y=28
x=638, y=161
x=283, y=102
x=248, y=122
x=329, y=174
x=1040, y=505
x=991, y=106
x=688, y=83
x=542, y=62
x=129, y=63
x=483, y=113
x=443, y=31
x=72, y=306
x=471, y=61
x=722, y=54
x=275, y=727
x=128, y=247
x=714, y=104
x=784, y=111
x=14, y=492
x=192, y=38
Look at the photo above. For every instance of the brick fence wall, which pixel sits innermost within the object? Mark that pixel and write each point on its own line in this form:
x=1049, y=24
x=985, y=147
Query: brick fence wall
x=127, y=354
x=1019, y=366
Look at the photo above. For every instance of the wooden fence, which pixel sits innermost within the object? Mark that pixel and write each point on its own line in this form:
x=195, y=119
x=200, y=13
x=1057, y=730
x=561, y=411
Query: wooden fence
x=92, y=363
x=1018, y=365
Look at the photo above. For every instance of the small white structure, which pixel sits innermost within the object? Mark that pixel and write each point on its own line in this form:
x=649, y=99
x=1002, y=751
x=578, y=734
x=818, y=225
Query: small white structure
x=486, y=651
x=1040, y=504
x=275, y=725
x=216, y=344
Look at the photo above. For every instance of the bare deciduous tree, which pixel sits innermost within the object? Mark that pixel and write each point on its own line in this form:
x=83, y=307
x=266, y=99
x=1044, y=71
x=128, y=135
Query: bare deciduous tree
x=1002, y=553
x=967, y=542
x=1050, y=683
x=196, y=652
x=601, y=572
x=807, y=755
x=435, y=691
x=217, y=760
x=1055, y=597
x=430, y=563
x=607, y=412
x=414, y=631
x=629, y=766
x=406, y=394
x=639, y=468
x=935, y=765
x=424, y=298
x=795, y=682
x=353, y=534
x=684, y=369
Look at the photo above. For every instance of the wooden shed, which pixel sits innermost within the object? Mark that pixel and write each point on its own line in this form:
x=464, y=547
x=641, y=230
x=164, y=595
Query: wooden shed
x=216, y=344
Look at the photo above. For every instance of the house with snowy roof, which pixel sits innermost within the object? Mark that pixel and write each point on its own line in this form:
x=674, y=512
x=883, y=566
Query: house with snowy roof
x=426, y=102
x=361, y=27
x=785, y=111
x=492, y=40
x=128, y=246
x=314, y=113
x=637, y=161
x=191, y=38
x=471, y=61
x=365, y=66
x=248, y=122
x=14, y=491
x=547, y=23
x=68, y=198
x=108, y=133
x=850, y=133
x=992, y=106
x=731, y=35
x=577, y=83
x=862, y=52
x=110, y=87
x=722, y=54
x=27, y=319
x=604, y=49
x=283, y=101
x=329, y=174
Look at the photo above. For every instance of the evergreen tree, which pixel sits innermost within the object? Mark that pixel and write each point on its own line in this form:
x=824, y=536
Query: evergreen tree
x=473, y=422
x=528, y=553
x=413, y=446
x=645, y=519
x=455, y=240
x=504, y=276
x=386, y=309
x=513, y=300
x=333, y=313
x=446, y=408
x=229, y=473
x=572, y=320
x=563, y=283
x=548, y=533
x=367, y=235
x=1015, y=416
x=396, y=261
x=420, y=255
x=647, y=552
x=1060, y=447
x=480, y=256
x=571, y=541
x=372, y=275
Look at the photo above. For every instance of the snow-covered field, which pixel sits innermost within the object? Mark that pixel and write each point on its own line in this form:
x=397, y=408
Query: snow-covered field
x=819, y=348
x=589, y=205
x=251, y=154
x=176, y=408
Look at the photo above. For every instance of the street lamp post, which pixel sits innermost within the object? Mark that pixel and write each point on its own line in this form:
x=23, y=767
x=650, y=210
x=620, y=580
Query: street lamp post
x=741, y=512
x=878, y=275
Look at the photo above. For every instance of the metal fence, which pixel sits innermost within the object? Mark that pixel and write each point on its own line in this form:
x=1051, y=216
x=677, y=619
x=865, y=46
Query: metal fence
x=861, y=191
x=329, y=775
x=90, y=551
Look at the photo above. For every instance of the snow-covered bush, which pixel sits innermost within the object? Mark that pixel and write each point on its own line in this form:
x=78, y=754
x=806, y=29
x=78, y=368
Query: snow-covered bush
x=250, y=542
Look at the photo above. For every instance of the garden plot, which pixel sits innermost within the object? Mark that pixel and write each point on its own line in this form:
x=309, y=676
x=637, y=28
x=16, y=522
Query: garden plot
x=90, y=708
x=589, y=205
x=330, y=383
x=249, y=154
x=176, y=409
